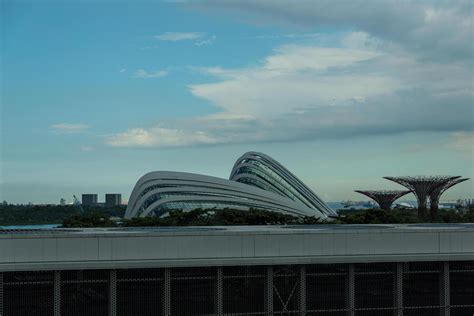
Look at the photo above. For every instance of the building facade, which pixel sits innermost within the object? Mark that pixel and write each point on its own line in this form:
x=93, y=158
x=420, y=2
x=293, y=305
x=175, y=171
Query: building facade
x=113, y=199
x=278, y=270
x=256, y=181
x=157, y=193
x=261, y=171
x=89, y=199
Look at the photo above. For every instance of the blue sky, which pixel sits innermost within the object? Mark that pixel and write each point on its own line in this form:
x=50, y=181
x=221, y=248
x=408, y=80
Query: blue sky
x=95, y=94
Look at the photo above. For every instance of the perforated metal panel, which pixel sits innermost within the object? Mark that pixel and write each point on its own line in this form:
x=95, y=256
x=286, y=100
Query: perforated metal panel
x=113, y=293
x=167, y=293
x=421, y=288
x=219, y=291
x=1, y=294
x=374, y=287
x=286, y=284
x=302, y=290
x=193, y=291
x=351, y=291
x=84, y=292
x=326, y=289
x=28, y=293
x=140, y=290
x=57, y=293
x=269, y=290
x=461, y=289
x=244, y=290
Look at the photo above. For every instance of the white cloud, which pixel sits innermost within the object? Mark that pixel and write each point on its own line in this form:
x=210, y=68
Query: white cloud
x=179, y=36
x=200, y=39
x=143, y=74
x=305, y=92
x=159, y=137
x=434, y=29
x=206, y=41
x=289, y=36
x=296, y=77
x=122, y=70
x=69, y=127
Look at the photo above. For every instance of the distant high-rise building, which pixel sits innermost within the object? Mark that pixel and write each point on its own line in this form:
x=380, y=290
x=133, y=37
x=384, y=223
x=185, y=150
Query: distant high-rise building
x=89, y=199
x=62, y=201
x=113, y=199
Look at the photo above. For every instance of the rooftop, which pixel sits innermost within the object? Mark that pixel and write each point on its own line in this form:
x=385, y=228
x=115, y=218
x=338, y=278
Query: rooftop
x=219, y=230
x=106, y=248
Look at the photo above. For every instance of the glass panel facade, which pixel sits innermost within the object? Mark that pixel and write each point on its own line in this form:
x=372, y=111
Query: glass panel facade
x=274, y=180
x=190, y=205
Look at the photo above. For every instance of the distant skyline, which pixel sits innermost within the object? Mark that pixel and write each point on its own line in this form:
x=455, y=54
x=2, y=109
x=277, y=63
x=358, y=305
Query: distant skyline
x=94, y=94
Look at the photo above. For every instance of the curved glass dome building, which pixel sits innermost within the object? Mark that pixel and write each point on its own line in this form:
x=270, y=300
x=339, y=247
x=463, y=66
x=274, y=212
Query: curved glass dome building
x=261, y=171
x=157, y=193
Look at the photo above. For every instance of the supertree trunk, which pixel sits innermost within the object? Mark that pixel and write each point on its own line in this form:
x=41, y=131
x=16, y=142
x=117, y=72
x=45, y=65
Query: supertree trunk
x=434, y=211
x=421, y=206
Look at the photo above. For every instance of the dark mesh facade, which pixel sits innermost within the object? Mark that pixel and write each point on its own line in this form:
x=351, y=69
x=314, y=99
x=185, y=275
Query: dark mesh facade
x=409, y=288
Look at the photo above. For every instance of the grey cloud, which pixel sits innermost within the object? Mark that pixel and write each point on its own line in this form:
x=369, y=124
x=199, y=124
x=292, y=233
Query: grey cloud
x=342, y=93
x=439, y=30
x=414, y=75
x=381, y=115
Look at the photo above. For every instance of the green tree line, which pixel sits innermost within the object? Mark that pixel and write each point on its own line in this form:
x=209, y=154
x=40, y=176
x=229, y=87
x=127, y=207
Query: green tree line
x=97, y=216
x=11, y=214
x=223, y=217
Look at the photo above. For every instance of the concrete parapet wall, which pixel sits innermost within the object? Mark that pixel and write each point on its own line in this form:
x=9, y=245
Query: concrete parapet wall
x=178, y=247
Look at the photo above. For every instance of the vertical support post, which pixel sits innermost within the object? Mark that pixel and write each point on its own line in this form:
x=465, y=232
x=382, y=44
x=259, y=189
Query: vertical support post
x=220, y=291
x=269, y=290
x=302, y=290
x=445, y=299
x=57, y=293
x=399, y=289
x=1, y=294
x=167, y=293
x=351, y=291
x=113, y=293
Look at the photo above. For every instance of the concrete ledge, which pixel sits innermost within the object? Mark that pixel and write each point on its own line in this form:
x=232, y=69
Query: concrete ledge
x=154, y=247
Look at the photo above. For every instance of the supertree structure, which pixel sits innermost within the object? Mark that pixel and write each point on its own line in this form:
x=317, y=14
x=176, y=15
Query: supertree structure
x=384, y=198
x=422, y=187
x=435, y=195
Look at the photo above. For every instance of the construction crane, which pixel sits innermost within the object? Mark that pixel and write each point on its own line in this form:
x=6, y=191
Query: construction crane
x=77, y=203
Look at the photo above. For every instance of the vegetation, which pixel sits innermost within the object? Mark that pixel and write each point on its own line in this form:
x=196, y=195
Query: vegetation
x=98, y=216
x=89, y=219
x=49, y=214
x=223, y=217
x=404, y=216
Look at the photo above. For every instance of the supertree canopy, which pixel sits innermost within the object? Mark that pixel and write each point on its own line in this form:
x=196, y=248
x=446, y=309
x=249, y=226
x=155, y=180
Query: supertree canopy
x=423, y=187
x=384, y=198
x=435, y=195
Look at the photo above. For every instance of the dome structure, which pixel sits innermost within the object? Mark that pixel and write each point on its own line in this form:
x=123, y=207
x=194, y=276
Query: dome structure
x=262, y=171
x=157, y=193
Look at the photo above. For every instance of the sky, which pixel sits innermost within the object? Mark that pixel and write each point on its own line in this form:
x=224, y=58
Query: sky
x=94, y=94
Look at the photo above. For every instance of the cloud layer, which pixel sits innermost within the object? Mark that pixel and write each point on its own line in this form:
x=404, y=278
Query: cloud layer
x=407, y=67
x=179, y=36
x=144, y=74
x=437, y=29
x=200, y=39
x=65, y=128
